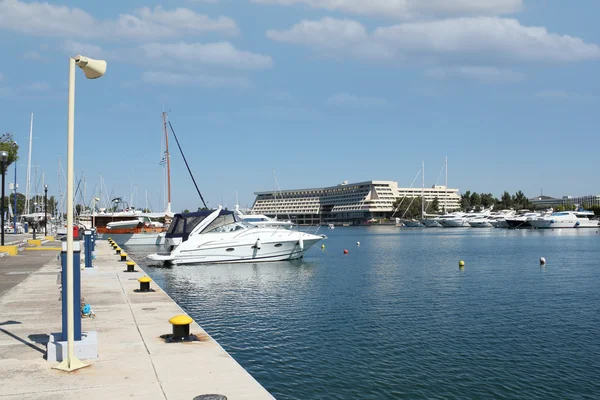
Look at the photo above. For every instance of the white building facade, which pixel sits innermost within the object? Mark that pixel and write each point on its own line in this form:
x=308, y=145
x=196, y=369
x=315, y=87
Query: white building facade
x=345, y=203
x=582, y=201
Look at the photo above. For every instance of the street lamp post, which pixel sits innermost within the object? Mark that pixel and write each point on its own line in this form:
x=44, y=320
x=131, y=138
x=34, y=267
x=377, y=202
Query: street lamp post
x=3, y=160
x=92, y=69
x=45, y=210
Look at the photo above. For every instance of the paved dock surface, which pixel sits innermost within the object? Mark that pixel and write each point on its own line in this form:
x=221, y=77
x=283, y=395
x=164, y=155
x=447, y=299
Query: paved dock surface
x=13, y=270
x=134, y=362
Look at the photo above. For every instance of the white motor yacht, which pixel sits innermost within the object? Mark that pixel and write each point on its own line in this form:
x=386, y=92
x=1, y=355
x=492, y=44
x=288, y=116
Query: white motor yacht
x=217, y=236
x=454, y=220
x=431, y=223
x=523, y=221
x=483, y=221
x=261, y=220
x=567, y=219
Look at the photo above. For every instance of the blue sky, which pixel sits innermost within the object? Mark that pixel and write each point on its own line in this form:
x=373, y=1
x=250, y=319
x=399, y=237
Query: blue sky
x=320, y=91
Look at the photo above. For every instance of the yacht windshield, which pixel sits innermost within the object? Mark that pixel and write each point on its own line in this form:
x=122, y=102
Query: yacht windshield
x=221, y=220
x=183, y=225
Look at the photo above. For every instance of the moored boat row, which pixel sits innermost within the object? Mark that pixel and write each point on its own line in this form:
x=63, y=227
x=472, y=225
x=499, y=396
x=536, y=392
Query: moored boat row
x=511, y=220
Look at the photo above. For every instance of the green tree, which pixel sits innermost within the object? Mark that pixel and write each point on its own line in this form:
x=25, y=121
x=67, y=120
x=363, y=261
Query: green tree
x=20, y=202
x=434, y=206
x=7, y=143
x=407, y=207
x=520, y=200
x=185, y=211
x=465, y=201
x=488, y=200
x=506, y=201
x=475, y=200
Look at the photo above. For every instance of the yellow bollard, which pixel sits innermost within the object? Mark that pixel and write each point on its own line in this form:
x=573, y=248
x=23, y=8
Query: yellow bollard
x=123, y=256
x=130, y=266
x=144, y=283
x=181, y=326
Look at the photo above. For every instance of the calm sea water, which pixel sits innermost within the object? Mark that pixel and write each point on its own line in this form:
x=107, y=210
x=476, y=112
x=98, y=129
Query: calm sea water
x=396, y=318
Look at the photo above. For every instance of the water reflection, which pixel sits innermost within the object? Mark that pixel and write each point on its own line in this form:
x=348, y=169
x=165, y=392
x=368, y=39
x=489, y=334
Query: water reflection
x=397, y=318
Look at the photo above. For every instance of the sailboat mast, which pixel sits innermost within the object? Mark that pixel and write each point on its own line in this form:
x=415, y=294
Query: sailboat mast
x=168, y=156
x=446, y=172
x=28, y=186
x=423, y=191
x=446, y=196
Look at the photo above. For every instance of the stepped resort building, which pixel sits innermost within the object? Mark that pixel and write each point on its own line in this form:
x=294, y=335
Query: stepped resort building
x=582, y=201
x=352, y=203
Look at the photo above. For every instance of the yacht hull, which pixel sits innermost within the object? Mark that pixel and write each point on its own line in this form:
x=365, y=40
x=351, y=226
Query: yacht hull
x=215, y=253
x=549, y=224
x=518, y=224
x=480, y=224
x=429, y=223
x=452, y=223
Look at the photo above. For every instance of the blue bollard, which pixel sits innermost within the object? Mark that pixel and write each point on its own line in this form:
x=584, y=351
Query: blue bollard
x=76, y=288
x=87, y=245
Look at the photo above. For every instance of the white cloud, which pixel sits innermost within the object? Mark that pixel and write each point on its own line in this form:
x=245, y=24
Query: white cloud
x=478, y=39
x=482, y=74
x=404, y=9
x=74, y=48
x=347, y=100
x=176, y=79
x=32, y=55
x=44, y=19
x=41, y=86
x=485, y=37
x=333, y=37
x=221, y=54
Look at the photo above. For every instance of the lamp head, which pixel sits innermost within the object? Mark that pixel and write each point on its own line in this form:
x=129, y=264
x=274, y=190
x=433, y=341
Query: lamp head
x=91, y=68
x=46, y=187
x=3, y=156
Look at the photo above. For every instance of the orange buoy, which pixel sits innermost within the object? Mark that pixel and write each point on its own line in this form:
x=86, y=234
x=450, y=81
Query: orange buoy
x=345, y=251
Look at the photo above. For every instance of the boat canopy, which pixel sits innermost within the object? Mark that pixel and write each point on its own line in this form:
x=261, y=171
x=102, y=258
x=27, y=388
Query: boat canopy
x=183, y=224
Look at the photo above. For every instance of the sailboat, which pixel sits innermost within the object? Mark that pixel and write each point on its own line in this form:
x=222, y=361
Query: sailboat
x=129, y=226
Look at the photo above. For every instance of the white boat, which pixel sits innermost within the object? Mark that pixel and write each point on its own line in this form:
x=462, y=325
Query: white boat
x=453, y=220
x=431, y=223
x=217, y=236
x=260, y=220
x=523, y=220
x=331, y=226
x=127, y=224
x=567, y=219
x=412, y=223
x=482, y=222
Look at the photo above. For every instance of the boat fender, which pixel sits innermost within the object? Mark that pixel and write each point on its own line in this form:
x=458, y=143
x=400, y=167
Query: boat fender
x=301, y=243
x=577, y=224
x=553, y=221
x=257, y=244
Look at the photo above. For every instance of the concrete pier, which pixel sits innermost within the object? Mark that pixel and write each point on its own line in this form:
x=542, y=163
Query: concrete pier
x=133, y=361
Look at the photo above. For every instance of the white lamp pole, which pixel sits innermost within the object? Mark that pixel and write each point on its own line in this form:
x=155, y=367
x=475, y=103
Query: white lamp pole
x=92, y=69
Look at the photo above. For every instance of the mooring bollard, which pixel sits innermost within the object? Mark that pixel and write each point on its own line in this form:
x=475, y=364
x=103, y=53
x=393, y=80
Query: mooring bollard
x=181, y=326
x=130, y=266
x=118, y=250
x=123, y=256
x=144, y=283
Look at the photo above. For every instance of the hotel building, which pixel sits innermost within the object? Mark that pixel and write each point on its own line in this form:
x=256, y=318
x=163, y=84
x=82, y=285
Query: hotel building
x=346, y=203
x=583, y=201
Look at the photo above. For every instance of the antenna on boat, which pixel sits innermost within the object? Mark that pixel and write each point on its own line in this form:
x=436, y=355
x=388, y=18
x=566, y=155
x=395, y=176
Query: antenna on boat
x=168, y=160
